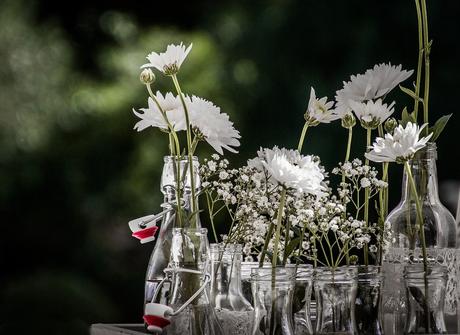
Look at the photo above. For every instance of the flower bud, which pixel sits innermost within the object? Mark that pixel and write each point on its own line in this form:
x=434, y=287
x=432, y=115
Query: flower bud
x=348, y=121
x=390, y=125
x=353, y=259
x=147, y=76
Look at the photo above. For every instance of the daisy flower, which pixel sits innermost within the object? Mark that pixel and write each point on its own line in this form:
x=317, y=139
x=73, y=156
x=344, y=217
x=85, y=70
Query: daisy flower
x=373, y=84
x=371, y=114
x=295, y=171
x=319, y=110
x=215, y=127
x=170, y=61
x=399, y=147
x=152, y=116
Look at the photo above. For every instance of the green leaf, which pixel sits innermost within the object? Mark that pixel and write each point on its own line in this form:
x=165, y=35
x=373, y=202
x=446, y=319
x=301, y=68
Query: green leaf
x=292, y=245
x=410, y=93
x=439, y=127
x=407, y=117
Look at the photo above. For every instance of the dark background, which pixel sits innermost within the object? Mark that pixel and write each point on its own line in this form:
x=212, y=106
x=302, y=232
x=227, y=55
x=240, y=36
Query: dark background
x=73, y=171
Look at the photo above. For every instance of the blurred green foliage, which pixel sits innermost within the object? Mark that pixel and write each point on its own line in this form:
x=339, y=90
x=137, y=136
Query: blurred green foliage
x=73, y=171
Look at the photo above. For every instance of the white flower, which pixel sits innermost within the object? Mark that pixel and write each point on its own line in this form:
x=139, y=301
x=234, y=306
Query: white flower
x=305, y=176
x=319, y=110
x=399, y=147
x=365, y=182
x=214, y=126
x=373, y=84
x=371, y=114
x=266, y=154
x=152, y=117
x=168, y=62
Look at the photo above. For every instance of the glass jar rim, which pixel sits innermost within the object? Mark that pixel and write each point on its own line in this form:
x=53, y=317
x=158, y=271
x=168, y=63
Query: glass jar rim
x=235, y=248
x=265, y=273
x=417, y=271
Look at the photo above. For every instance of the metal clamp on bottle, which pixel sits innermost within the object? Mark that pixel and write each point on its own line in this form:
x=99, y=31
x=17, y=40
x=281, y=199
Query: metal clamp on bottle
x=145, y=228
x=158, y=316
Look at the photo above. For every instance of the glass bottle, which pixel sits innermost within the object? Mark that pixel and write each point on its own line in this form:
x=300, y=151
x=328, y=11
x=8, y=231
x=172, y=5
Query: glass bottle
x=175, y=176
x=189, y=299
x=273, y=290
x=335, y=293
x=368, y=300
x=425, y=296
x=233, y=310
x=440, y=236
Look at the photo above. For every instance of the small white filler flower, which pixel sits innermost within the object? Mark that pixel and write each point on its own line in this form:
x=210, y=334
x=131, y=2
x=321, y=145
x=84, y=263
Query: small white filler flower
x=170, y=61
x=399, y=147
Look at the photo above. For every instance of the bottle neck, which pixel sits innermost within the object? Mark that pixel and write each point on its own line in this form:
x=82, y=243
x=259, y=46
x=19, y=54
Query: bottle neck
x=225, y=272
x=424, y=172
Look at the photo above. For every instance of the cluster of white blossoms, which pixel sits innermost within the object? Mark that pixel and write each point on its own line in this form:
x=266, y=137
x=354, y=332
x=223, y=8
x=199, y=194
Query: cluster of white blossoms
x=166, y=112
x=364, y=94
x=357, y=177
x=252, y=196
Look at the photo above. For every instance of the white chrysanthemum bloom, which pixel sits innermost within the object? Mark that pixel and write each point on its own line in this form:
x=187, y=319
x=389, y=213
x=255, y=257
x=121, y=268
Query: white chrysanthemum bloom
x=372, y=114
x=215, y=127
x=371, y=85
x=266, y=154
x=170, y=61
x=319, y=110
x=399, y=146
x=152, y=117
x=305, y=176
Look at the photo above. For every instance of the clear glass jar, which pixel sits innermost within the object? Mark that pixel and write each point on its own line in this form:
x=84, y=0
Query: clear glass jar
x=160, y=256
x=246, y=268
x=425, y=294
x=193, y=312
x=335, y=293
x=440, y=234
x=302, y=300
x=368, y=300
x=233, y=310
x=273, y=290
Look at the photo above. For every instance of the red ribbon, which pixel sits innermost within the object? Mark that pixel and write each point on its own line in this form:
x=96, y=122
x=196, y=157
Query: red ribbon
x=153, y=320
x=144, y=233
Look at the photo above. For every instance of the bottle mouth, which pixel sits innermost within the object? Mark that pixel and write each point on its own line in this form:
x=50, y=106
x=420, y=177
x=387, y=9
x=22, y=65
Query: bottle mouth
x=428, y=152
x=338, y=275
x=191, y=231
x=168, y=159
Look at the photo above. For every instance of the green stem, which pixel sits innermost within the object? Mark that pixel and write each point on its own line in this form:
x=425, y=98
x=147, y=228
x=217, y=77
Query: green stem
x=165, y=117
x=302, y=136
x=279, y=221
x=383, y=210
x=286, y=242
x=347, y=155
x=267, y=240
x=189, y=147
x=420, y=57
x=422, y=240
x=426, y=47
x=366, y=200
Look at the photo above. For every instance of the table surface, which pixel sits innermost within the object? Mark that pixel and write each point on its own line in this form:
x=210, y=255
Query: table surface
x=117, y=329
